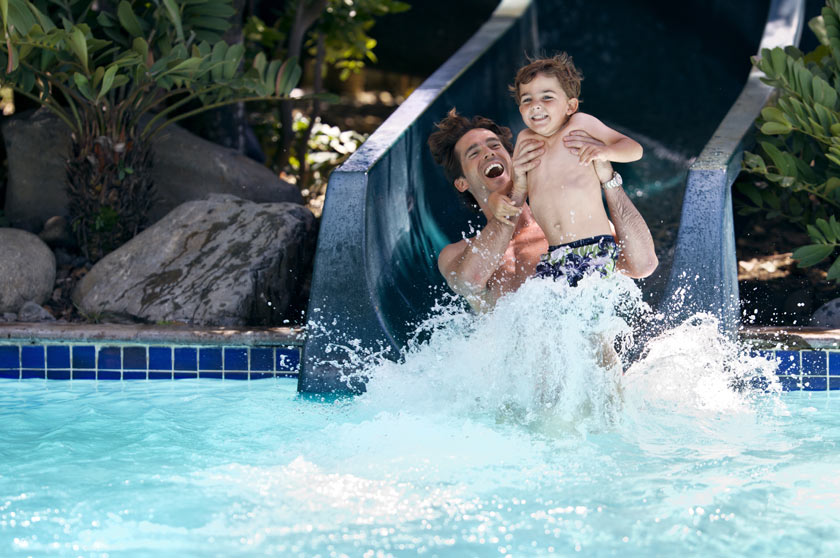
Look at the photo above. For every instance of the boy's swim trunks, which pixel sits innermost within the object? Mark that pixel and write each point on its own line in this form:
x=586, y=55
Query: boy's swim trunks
x=577, y=259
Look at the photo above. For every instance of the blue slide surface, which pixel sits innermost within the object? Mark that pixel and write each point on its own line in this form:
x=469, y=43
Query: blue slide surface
x=681, y=86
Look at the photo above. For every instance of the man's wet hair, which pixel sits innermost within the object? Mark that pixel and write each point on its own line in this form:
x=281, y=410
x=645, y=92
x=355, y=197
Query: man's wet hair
x=560, y=66
x=451, y=129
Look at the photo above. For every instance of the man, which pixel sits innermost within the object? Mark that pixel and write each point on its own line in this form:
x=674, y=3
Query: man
x=477, y=155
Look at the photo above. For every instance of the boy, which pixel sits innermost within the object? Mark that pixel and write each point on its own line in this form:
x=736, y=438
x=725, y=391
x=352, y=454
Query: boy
x=564, y=192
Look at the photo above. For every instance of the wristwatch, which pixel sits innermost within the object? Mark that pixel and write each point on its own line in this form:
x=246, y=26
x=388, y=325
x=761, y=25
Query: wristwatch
x=613, y=182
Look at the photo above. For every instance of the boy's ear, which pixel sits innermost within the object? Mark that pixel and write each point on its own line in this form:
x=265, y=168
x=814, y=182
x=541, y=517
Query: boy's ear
x=461, y=184
x=573, y=105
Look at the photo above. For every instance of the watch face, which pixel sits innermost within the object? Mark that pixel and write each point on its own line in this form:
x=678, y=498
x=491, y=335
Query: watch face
x=617, y=179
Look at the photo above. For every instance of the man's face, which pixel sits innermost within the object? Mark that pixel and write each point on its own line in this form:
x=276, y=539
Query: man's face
x=485, y=163
x=544, y=105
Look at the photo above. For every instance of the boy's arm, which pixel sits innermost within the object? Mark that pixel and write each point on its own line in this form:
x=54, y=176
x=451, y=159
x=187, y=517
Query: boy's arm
x=617, y=147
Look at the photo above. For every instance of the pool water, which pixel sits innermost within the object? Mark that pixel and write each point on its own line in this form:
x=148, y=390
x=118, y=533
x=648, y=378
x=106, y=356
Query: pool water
x=459, y=450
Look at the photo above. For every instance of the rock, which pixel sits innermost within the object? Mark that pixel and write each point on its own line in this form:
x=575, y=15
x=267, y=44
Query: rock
x=186, y=168
x=827, y=315
x=222, y=261
x=56, y=232
x=9, y=317
x=27, y=269
x=33, y=312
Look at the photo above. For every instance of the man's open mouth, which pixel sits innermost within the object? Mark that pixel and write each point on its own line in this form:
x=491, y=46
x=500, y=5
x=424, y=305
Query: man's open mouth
x=494, y=170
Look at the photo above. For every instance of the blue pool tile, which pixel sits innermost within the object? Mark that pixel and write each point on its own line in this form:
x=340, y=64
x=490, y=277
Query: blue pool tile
x=185, y=375
x=84, y=357
x=790, y=383
x=261, y=375
x=84, y=374
x=286, y=374
x=185, y=358
x=788, y=362
x=834, y=363
x=236, y=375
x=236, y=358
x=814, y=363
x=134, y=358
x=210, y=358
x=25, y=373
x=53, y=374
x=262, y=359
x=834, y=382
x=160, y=358
x=10, y=374
x=287, y=359
x=58, y=357
x=815, y=383
x=9, y=357
x=110, y=358
x=214, y=375
x=160, y=375
x=134, y=374
x=32, y=357
x=108, y=375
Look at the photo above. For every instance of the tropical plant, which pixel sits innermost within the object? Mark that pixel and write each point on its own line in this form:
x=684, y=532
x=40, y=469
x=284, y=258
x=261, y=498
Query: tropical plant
x=334, y=34
x=117, y=74
x=798, y=158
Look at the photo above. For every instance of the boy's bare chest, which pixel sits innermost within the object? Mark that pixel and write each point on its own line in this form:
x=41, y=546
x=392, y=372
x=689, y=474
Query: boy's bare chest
x=559, y=167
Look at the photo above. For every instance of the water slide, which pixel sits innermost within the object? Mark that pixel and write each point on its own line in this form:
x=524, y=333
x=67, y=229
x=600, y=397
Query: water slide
x=674, y=75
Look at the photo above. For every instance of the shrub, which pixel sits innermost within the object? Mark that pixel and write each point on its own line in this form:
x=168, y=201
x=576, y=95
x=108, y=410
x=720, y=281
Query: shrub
x=799, y=142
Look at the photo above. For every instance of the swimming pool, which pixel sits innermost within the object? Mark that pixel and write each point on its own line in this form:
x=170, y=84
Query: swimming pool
x=448, y=454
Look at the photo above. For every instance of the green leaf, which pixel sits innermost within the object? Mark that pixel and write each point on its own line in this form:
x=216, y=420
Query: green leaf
x=78, y=45
x=777, y=59
x=128, y=19
x=175, y=18
x=287, y=77
x=4, y=11
x=834, y=271
x=830, y=185
x=812, y=254
x=83, y=85
x=773, y=114
x=780, y=160
x=233, y=57
x=825, y=228
x=754, y=162
x=774, y=128
x=815, y=234
x=749, y=190
x=217, y=58
x=108, y=80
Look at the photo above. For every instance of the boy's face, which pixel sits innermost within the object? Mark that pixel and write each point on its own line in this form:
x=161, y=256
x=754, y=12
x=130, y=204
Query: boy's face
x=485, y=163
x=544, y=105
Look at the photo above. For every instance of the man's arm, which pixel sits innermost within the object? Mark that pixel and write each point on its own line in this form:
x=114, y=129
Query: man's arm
x=637, y=257
x=469, y=264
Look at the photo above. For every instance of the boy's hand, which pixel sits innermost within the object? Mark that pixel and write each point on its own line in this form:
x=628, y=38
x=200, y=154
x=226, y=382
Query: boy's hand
x=526, y=156
x=503, y=209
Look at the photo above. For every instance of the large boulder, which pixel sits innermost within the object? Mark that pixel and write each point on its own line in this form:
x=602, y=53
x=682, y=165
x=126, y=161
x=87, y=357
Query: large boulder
x=27, y=269
x=222, y=261
x=186, y=168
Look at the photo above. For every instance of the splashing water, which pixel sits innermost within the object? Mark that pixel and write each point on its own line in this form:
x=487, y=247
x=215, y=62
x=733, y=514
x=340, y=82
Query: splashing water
x=512, y=433
x=545, y=357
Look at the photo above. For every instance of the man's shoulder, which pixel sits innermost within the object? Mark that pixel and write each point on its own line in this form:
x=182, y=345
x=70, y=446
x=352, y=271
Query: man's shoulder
x=451, y=252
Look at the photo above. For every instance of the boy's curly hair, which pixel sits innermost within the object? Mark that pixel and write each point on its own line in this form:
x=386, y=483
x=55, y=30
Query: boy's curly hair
x=560, y=66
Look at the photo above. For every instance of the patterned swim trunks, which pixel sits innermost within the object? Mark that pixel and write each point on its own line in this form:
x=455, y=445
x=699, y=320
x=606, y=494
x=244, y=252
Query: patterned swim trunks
x=580, y=258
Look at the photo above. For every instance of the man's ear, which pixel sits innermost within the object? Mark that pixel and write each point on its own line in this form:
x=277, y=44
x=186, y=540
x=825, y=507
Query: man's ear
x=461, y=184
x=573, y=106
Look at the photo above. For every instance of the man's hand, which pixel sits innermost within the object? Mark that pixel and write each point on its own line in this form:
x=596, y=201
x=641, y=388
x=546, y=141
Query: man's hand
x=577, y=141
x=587, y=148
x=503, y=209
x=526, y=157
